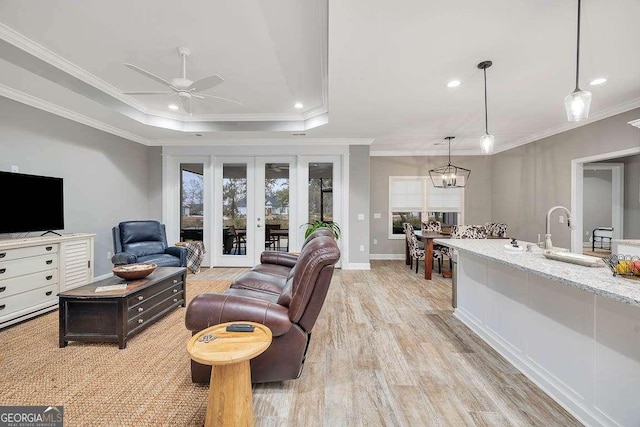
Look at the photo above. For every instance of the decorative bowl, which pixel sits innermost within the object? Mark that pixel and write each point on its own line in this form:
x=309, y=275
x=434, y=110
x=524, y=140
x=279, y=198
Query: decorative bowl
x=134, y=271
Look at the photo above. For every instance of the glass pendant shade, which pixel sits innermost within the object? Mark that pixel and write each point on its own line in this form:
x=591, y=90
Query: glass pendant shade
x=486, y=143
x=577, y=105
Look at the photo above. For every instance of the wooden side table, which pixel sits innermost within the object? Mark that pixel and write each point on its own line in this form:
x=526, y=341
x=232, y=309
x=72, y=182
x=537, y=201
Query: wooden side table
x=230, y=398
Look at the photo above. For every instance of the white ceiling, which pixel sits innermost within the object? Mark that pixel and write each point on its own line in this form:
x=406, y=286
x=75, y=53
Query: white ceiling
x=365, y=70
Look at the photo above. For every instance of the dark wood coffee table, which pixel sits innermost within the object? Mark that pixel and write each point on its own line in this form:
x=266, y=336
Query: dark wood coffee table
x=116, y=315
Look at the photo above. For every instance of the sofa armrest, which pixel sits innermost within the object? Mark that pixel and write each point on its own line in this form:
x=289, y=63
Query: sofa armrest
x=211, y=309
x=122, y=258
x=279, y=258
x=178, y=252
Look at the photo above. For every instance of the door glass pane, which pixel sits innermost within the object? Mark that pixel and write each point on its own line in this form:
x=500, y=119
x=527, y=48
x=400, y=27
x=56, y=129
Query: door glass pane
x=320, y=192
x=191, y=201
x=276, y=207
x=234, y=208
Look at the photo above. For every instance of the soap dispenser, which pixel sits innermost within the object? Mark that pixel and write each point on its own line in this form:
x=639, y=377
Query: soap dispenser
x=547, y=243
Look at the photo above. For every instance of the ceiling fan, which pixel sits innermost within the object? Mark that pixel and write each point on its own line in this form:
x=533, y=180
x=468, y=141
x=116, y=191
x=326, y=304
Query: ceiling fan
x=187, y=90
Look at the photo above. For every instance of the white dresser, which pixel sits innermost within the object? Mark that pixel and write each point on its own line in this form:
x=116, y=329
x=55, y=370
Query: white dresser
x=34, y=270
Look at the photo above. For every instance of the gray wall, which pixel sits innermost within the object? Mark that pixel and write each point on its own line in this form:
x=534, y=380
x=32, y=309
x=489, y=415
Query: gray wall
x=358, y=203
x=528, y=180
x=107, y=179
x=596, y=208
x=477, y=196
x=631, y=196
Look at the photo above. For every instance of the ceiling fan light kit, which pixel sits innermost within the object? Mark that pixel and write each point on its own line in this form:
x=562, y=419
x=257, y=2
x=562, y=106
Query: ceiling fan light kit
x=186, y=89
x=578, y=102
x=449, y=176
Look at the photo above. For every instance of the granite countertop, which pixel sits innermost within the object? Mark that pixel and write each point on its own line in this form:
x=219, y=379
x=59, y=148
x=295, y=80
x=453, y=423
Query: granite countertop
x=598, y=280
x=627, y=242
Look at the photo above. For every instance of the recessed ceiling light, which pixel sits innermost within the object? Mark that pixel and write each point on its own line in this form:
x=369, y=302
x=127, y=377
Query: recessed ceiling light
x=298, y=105
x=596, y=82
x=173, y=107
x=454, y=83
x=197, y=134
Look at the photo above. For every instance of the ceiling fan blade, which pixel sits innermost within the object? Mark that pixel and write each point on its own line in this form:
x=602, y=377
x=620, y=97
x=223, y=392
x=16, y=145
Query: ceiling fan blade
x=150, y=75
x=202, y=95
x=147, y=93
x=186, y=103
x=206, y=83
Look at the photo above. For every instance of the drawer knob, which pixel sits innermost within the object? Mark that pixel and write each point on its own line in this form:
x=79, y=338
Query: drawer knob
x=3, y=254
x=2, y=289
x=140, y=309
x=2, y=307
x=140, y=320
x=175, y=291
x=49, y=277
x=49, y=248
x=49, y=261
x=2, y=270
x=48, y=293
x=175, y=300
x=140, y=298
x=175, y=281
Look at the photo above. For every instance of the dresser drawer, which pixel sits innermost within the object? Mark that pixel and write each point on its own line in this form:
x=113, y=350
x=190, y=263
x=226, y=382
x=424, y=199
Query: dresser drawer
x=17, y=253
x=30, y=265
x=146, y=294
x=19, y=284
x=28, y=299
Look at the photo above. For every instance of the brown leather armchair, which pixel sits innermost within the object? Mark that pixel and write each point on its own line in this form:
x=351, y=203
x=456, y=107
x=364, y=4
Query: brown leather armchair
x=289, y=306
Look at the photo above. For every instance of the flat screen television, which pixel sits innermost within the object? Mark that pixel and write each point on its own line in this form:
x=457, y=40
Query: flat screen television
x=30, y=203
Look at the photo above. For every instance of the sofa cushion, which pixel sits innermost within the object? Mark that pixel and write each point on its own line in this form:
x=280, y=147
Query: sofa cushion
x=256, y=280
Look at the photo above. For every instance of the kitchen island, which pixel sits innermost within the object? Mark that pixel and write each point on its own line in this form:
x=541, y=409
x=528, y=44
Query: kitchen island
x=573, y=330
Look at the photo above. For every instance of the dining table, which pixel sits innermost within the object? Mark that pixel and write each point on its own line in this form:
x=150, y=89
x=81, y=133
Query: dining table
x=427, y=238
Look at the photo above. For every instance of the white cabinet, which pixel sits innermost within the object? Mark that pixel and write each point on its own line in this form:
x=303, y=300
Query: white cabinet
x=34, y=270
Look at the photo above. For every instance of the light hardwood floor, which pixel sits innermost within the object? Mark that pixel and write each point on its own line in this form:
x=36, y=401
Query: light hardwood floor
x=387, y=351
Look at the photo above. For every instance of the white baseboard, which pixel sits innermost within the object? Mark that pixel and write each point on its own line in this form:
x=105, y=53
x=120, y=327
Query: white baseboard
x=357, y=266
x=386, y=256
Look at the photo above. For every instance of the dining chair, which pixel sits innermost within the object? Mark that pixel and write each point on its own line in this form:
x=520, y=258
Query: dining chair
x=239, y=240
x=417, y=252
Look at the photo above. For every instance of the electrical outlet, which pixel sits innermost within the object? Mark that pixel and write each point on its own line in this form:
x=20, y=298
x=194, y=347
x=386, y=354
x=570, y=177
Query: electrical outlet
x=377, y=216
x=586, y=233
x=360, y=217
x=15, y=168
x=375, y=241
x=108, y=256
x=561, y=219
x=361, y=248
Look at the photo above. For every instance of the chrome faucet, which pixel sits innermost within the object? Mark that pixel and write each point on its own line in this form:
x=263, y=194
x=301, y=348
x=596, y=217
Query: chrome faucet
x=547, y=242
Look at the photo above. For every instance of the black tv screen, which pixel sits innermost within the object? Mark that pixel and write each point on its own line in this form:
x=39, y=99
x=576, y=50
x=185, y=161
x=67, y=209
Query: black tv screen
x=30, y=203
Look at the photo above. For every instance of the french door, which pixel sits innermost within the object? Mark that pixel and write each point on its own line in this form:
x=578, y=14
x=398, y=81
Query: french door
x=254, y=208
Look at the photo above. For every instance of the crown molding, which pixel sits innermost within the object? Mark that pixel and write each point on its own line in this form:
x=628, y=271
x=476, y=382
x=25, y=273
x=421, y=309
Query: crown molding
x=253, y=142
x=425, y=153
x=609, y=112
x=41, y=104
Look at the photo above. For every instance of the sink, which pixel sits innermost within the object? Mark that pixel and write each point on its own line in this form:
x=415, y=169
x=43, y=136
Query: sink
x=570, y=257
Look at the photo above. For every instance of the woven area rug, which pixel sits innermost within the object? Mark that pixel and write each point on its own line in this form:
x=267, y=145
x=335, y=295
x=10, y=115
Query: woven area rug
x=146, y=384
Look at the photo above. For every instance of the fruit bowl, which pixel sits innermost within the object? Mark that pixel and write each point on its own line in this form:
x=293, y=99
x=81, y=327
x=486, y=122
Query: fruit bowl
x=134, y=271
x=627, y=266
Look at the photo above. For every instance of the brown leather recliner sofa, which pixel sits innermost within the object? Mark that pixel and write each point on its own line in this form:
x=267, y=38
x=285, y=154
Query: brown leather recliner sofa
x=288, y=304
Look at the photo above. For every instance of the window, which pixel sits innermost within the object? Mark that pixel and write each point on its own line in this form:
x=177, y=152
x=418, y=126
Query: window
x=413, y=199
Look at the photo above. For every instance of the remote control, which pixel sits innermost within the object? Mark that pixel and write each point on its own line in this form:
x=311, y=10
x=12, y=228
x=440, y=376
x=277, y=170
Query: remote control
x=240, y=327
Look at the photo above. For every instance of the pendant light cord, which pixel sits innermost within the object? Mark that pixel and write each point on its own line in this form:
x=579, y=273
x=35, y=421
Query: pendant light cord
x=486, y=120
x=578, y=51
x=449, y=138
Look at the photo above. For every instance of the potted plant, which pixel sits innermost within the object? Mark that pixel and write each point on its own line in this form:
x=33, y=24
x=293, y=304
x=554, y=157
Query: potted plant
x=313, y=226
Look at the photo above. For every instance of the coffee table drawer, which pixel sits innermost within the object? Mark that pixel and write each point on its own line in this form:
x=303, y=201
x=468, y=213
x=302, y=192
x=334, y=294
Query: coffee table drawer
x=151, y=301
x=145, y=294
x=142, y=319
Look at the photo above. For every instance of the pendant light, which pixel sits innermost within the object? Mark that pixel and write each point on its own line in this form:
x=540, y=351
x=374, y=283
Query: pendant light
x=578, y=102
x=449, y=176
x=486, y=140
